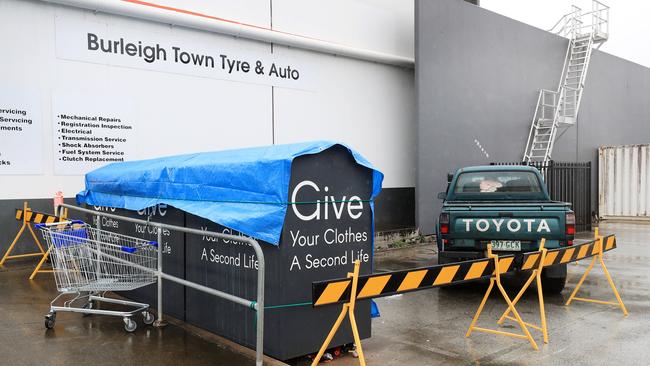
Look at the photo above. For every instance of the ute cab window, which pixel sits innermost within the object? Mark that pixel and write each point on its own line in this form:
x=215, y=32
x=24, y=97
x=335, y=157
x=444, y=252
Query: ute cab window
x=497, y=184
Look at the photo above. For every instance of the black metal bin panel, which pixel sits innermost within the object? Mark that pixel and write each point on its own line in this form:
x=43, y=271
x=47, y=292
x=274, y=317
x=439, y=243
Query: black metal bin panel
x=324, y=232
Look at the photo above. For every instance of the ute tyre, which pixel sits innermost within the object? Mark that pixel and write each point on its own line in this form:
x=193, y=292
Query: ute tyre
x=444, y=260
x=553, y=285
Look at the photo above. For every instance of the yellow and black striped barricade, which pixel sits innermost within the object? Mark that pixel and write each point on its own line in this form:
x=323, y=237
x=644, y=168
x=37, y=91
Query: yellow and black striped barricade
x=600, y=245
x=347, y=290
x=569, y=254
x=390, y=283
x=535, y=261
x=28, y=217
x=342, y=291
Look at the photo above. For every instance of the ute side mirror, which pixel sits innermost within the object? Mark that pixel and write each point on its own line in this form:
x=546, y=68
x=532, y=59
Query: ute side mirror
x=442, y=195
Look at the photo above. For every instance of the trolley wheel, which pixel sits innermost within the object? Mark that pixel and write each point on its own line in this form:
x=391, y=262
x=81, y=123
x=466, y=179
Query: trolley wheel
x=87, y=306
x=50, y=320
x=130, y=325
x=148, y=318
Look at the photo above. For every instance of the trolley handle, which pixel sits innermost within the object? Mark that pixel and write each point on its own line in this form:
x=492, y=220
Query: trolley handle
x=69, y=222
x=132, y=250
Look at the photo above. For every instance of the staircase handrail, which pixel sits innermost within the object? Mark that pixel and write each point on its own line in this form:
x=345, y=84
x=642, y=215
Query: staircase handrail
x=575, y=20
x=532, y=126
x=565, y=18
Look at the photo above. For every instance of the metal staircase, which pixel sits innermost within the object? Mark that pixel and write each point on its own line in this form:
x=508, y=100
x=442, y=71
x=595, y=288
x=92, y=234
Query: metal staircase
x=558, y=110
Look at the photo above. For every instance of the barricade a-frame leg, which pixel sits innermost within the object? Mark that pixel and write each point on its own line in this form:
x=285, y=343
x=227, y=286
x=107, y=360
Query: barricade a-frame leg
x=26, y=213
x=537, y=276
x=598, y=257
x=496, y=279
x=39, y=266
x=347, y=309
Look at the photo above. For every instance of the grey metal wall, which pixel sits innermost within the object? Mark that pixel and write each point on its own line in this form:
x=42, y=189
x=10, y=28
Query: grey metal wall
x=477, y=79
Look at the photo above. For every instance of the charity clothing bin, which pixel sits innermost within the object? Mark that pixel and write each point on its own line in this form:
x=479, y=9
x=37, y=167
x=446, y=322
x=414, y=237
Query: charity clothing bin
x=310, y=206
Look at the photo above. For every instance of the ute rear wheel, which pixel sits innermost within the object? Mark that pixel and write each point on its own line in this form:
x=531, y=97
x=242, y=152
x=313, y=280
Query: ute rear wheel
x=553, y=285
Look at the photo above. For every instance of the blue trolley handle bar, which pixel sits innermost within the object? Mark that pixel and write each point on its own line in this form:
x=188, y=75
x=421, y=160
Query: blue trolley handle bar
x=69, y=222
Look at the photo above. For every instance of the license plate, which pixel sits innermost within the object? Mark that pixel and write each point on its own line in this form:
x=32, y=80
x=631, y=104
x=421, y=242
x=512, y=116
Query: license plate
x=506, y=245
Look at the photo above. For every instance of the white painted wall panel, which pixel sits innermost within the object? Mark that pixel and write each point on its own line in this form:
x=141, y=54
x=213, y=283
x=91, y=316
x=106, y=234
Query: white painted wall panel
x=380, y=25
x=623, y=177
x=367, y=105
x=254, y=12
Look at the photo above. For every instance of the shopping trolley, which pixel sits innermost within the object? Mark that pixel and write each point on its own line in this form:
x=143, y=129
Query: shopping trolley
x=88, y=262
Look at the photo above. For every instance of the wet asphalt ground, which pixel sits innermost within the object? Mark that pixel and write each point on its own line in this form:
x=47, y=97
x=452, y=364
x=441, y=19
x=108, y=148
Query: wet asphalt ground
x=420, y=328
x=92, y=340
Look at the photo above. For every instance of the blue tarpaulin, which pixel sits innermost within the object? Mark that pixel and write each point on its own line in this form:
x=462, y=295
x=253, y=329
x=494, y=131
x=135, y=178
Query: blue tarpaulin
x=245, y=189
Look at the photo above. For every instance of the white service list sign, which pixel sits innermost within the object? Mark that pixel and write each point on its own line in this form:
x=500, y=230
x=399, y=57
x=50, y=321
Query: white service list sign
x=91, y=131
x=21, y=137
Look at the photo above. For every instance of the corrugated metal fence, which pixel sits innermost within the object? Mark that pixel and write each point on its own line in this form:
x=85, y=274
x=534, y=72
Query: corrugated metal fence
x=568, y=182
x=623, y=179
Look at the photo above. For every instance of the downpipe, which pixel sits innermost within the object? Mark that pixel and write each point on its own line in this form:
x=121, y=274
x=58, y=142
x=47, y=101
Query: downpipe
x=179, y=17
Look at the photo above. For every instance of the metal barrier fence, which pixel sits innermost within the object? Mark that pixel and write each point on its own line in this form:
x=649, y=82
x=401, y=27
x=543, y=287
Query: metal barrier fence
x=567, y=182
x=257, y=306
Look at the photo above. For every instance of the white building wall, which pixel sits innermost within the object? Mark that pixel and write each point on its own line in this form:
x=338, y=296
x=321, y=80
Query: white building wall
x=367, y=105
